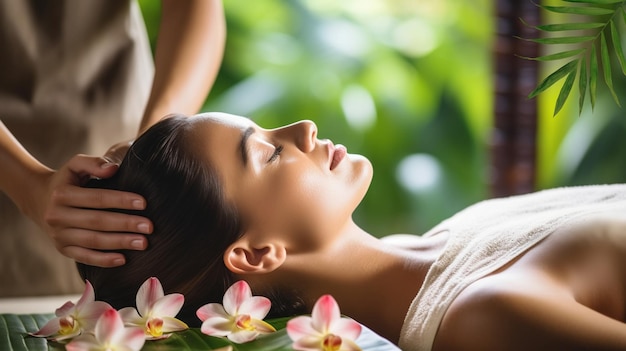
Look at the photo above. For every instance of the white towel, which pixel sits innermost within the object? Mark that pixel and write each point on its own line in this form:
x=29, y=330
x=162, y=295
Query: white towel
x=489, y=234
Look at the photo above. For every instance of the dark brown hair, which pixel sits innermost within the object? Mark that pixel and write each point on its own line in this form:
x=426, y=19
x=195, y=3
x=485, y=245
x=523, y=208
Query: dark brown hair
x=193, y=225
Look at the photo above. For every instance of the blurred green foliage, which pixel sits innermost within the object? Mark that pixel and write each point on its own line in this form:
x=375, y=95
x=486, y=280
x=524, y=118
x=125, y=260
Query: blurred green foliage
x=406, y=83
x=388, y=79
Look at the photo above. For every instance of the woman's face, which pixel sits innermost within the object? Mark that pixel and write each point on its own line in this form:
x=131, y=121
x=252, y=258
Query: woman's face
x=285, y=182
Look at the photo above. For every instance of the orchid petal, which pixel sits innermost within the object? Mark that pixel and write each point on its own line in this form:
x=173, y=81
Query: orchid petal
x=89, y=315
x=67, y=336
x=108, y=326
x=262, y=326
x=307, y=343
x=130, y=316
x=133, y=338
x=88, y=296
x=256, y=306
x=243, y=336
x=171, y=324
x=324, y=313
x=235, y=297
x=65, y=310
x=168, y=306
x=347, y=328
x=150, y=338
x=161, y=337
x=301, y=327
x=149, y=292
x=211, y=310
x=217, y=326
x=83, y=343
x=349, y=345
x=324, y=326
x=48, y=329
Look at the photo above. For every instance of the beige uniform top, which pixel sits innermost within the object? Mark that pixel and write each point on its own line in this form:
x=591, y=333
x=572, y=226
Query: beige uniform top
x=74, y=78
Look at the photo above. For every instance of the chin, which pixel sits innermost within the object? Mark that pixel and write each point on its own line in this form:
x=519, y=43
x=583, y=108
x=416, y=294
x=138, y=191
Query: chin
x=363, y=171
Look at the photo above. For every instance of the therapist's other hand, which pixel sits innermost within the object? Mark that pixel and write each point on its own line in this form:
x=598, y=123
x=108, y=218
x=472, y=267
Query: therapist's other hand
x=74, y=218
x=116, y=153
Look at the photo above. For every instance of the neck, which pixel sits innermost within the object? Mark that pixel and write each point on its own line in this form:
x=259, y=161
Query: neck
x=373, y=282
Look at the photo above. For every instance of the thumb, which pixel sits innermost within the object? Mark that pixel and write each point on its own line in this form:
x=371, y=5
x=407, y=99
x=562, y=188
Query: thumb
x=83, y=165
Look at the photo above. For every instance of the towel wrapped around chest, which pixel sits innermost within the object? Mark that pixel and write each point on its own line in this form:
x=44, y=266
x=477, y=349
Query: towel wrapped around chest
x=486, y=236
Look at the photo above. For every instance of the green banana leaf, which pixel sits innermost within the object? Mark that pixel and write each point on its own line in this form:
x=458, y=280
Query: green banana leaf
x=14, y=329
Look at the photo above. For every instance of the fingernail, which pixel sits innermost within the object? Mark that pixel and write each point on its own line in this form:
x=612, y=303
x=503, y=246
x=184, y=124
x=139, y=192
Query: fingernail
x=118, y=261
x=138, y=204
x=137, y=244
x=143, y=227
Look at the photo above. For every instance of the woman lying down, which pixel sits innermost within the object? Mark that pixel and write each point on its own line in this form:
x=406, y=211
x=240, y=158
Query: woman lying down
x=233, y=201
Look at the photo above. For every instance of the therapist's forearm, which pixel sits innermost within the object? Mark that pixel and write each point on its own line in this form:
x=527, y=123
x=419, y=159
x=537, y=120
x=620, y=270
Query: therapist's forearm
x=188, y=56
x=21, y=174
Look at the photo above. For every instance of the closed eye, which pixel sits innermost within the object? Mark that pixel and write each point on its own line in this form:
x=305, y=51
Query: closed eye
x=276, y=153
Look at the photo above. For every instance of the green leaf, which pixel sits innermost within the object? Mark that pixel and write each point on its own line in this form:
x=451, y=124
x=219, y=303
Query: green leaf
x=588, y=79
x=191, y=339
x=598, y=2
x=617, y=46
x=13, y=329
x=606, y=67
x=569, y=26
x=556, y=56
x=582, y=84
x=593, y=76
x=565, y=91
x=579, y=10
x=553, y=78
x=563, y=40
x=14, y=337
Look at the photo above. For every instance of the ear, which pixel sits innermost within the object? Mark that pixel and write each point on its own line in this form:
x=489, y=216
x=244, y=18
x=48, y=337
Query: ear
x=242, y=257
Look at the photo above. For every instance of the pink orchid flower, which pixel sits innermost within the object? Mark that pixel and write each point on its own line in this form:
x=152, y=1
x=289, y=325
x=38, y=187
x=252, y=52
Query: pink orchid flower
x=240, y=319
x=109, y=334
x=73, y=319
x=325, y=330
x=156, y=311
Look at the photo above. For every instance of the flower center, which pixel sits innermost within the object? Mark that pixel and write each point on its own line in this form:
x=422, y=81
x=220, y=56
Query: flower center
x=243, y=322
x=66, y=325
x=331, y=342
x=154, y=327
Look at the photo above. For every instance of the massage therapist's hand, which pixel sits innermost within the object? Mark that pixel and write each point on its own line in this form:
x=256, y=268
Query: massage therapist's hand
x=73, y=218
x=116, y=153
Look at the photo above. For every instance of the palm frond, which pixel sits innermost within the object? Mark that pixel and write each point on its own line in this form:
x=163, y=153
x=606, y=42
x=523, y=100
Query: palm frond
x=597, y=2
x=597, y=25
x=582, y=84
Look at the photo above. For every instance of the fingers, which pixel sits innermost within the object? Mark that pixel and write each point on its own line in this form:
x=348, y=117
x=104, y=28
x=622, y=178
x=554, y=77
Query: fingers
x=75, y=196
x=96, y=166
x=75, y=220
x=102, y=240
x=84, y=242
x=117, y=152
x=94, y=258
x=96, y=220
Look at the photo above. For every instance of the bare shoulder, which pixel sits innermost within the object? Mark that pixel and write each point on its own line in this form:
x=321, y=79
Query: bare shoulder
x=505, y=313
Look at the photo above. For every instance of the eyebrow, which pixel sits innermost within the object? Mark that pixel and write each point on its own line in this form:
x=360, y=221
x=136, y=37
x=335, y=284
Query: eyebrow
x=243, y=145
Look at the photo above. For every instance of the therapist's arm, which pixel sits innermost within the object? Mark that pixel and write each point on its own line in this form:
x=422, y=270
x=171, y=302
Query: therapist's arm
x=188, y=55
x=70, y=214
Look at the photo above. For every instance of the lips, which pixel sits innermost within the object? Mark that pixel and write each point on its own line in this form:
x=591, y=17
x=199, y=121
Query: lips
x=338, y=152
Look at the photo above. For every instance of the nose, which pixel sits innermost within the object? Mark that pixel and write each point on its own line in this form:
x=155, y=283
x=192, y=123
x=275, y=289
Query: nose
x=303, y=133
